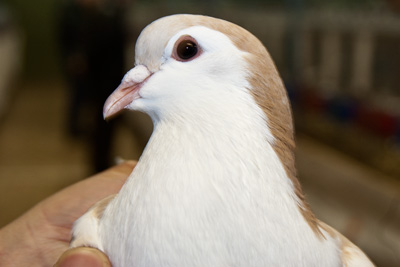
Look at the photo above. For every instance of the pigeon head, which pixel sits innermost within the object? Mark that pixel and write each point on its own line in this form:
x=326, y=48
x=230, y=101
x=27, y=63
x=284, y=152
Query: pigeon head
x=182, y=66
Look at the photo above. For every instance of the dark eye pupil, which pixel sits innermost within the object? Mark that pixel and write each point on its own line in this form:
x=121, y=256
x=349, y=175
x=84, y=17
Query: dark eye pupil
x=186, y=50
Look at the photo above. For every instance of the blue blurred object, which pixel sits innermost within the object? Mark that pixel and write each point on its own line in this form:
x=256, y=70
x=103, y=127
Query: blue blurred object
x=343, y=108
x=292, y=91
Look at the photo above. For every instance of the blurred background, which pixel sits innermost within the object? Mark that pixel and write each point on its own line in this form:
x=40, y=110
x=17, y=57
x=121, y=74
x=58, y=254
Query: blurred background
x=340, y=61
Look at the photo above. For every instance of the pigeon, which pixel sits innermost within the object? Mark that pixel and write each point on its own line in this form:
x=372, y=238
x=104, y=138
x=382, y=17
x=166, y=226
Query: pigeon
x=216, y=184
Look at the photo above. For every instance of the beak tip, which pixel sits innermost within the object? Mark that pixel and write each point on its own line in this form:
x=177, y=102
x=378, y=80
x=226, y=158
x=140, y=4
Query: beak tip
x=106, y=113
x=110, y=112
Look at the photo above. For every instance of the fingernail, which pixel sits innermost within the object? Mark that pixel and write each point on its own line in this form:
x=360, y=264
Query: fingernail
x=83, y=257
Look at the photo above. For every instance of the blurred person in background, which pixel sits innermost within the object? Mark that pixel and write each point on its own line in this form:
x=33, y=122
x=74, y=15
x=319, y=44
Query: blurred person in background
x=92, y=42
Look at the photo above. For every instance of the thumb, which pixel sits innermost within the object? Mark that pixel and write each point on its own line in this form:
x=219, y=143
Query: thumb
x=83, y=256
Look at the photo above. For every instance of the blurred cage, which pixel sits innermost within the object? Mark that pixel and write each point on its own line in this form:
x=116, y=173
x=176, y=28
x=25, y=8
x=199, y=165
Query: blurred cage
x=345, y=91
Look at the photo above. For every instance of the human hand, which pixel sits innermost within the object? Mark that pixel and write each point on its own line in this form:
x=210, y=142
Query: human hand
x=42, y=234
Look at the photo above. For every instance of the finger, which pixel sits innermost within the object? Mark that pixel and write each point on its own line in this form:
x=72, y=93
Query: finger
x=83, y=256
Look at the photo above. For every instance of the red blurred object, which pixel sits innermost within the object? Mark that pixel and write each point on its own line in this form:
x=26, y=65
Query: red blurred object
x=311, y=101
x=377, y=121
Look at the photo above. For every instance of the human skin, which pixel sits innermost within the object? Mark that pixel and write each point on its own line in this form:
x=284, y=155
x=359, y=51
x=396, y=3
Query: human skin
x=41, y=236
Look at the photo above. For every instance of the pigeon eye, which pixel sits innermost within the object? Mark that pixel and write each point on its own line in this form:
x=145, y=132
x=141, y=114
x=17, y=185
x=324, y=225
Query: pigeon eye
x=186, y=48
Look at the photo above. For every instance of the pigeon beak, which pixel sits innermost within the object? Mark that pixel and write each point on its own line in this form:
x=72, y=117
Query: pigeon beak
x=126, y=92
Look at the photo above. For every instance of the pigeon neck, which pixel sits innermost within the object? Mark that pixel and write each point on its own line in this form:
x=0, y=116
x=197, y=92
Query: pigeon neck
x=223, y=146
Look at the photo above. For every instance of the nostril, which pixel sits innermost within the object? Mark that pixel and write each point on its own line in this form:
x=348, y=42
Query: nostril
x=136, y=75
